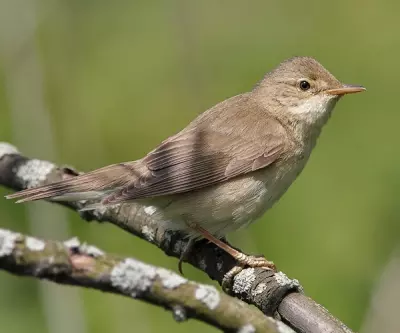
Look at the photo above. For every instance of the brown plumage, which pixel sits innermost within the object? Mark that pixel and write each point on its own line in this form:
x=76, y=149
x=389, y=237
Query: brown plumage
x=201, y=155
x=229, y=165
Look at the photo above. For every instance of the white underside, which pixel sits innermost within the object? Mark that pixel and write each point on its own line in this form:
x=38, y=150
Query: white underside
x=227, y=207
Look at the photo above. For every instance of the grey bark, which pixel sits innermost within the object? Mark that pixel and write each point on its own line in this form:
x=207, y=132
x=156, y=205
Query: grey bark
x=84, y=265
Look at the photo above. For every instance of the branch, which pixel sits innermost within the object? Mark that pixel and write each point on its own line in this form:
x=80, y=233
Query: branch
x=83, y=265
x=273, y=294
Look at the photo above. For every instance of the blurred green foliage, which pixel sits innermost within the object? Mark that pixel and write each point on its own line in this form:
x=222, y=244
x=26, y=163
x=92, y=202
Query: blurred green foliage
x=120, y=76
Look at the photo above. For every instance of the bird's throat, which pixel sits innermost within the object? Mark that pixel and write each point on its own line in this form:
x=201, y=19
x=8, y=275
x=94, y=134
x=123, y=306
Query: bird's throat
x=311, y=115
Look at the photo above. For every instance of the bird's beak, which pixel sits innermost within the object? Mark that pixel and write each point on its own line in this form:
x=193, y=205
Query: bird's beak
x=345, y=89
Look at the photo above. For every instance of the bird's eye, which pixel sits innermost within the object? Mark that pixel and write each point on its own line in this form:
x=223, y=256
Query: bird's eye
x=304, y=85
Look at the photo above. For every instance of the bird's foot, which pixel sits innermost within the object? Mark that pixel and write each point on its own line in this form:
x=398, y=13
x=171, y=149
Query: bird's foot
x=245, y=261
x=254, y=261
x=242, y=259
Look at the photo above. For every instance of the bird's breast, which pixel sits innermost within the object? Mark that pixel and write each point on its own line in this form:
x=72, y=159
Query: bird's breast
x=270, y=184
x=241, y=201
x=228, y=206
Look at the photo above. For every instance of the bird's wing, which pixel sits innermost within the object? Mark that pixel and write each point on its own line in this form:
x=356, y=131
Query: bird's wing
x=229, y=140
x=199, y=158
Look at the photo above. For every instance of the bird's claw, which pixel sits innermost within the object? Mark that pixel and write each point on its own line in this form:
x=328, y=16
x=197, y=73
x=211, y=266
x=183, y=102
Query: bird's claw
x=245, y=261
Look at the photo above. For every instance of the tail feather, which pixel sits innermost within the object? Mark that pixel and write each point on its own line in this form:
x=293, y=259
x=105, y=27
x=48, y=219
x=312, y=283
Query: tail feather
x=87, y=186
x=93, y=206
x=78, y=196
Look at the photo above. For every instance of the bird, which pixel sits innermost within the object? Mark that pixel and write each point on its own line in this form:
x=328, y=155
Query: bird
x=227, y=167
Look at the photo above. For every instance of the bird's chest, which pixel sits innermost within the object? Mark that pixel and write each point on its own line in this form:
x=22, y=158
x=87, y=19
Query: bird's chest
x=264, y=188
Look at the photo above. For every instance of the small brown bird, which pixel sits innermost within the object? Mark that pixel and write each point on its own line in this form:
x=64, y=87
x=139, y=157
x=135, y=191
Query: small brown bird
x=228, y=166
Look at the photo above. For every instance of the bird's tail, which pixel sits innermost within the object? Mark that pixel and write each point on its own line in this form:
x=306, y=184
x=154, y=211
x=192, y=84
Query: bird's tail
x=89, y=186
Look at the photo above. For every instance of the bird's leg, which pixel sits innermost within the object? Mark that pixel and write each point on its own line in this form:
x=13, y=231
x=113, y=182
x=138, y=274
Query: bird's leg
x=185, y=254
x=242, y=259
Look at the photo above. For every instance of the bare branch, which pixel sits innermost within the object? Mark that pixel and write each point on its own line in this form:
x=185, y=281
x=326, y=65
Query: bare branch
x=273, y=294
x=83, y=265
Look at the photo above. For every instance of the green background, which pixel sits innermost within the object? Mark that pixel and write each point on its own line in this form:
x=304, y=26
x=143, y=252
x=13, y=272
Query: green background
x=112, y=79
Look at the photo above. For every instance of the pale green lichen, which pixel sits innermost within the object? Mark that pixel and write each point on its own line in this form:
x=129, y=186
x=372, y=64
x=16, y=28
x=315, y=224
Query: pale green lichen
x=169, y=279
x=243, y=281
x=7, y=149
x=7, y=242
x=34, y=172
x=208, y=295
x=91, y=250
x=34, y=244
x=282, y=279
x=72, y=243
x=133, y=277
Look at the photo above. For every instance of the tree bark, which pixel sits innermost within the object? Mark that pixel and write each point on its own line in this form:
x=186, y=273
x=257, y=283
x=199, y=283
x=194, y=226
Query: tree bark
x=73, y=263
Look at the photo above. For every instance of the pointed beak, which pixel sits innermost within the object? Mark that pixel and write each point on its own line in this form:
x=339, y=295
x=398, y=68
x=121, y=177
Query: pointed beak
x=345, y=89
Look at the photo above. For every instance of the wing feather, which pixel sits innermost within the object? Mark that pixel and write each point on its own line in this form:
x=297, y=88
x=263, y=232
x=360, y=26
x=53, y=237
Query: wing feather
x=232, y=139
x=195, y=160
